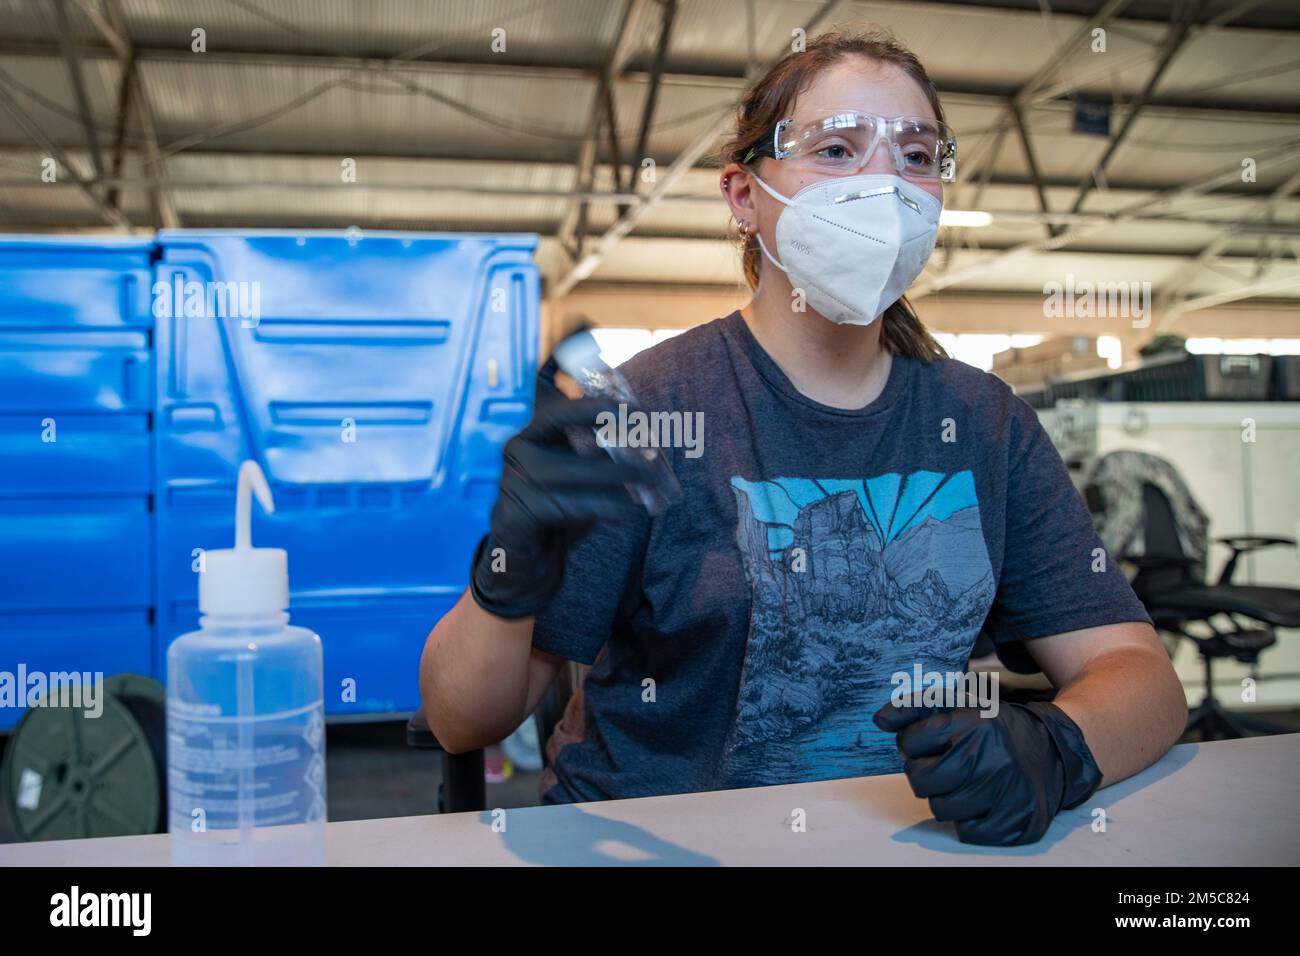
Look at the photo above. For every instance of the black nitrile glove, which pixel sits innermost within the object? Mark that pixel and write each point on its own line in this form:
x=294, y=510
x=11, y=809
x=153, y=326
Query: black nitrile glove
x=549, y=497
x=1000, y=779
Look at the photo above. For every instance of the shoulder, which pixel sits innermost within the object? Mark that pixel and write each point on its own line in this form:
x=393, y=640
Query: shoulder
x=952, y=375
x=981, y=397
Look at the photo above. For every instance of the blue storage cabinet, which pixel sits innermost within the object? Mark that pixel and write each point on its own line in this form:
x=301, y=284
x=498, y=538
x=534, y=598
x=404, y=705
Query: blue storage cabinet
x=76, y=458
x=375, y=380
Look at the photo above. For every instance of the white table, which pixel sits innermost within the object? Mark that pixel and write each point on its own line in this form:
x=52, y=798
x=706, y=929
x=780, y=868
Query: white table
x=1218, y=804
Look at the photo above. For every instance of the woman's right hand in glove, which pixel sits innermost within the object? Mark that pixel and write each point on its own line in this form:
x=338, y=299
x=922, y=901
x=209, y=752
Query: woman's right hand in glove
x=549, y=497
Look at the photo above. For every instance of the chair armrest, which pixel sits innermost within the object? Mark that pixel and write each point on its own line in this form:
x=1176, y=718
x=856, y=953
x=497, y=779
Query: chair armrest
x=1244, y=544
x=463, y=787
x=1152, y=561
x=418, y=734
x=1252, y=542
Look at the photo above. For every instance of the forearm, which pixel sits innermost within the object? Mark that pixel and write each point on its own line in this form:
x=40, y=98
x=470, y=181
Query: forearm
x=1130, y=706
x=475, y=676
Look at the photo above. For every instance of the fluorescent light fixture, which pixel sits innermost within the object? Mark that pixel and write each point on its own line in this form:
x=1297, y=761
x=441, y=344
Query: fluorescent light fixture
x=965, y=218
x=1218, y=346
x=1111, y=349
x=586, y=267
x=978, y=348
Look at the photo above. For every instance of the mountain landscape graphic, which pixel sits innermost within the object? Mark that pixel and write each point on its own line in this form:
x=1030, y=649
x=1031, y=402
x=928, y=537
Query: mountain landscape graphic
x=851, y=582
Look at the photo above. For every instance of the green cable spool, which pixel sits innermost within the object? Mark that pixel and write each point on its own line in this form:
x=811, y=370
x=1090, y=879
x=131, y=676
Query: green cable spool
x=69, y=775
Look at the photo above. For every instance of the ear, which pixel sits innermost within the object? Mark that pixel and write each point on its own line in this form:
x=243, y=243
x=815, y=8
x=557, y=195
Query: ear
x=739, y=190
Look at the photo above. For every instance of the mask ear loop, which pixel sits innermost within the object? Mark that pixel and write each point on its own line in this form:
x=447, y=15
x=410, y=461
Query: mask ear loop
x=758, y=235
x=763, y=247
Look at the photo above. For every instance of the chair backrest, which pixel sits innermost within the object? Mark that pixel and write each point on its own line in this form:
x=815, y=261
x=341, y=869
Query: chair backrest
x=1141, y=507
x=1161, y=540
x=550, y=709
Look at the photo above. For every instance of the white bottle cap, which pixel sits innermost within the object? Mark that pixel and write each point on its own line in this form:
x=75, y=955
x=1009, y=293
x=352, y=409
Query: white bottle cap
x=246, y=580
x=579, y=355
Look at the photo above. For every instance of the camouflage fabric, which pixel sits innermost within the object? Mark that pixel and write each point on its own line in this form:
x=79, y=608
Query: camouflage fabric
x=1119, y=477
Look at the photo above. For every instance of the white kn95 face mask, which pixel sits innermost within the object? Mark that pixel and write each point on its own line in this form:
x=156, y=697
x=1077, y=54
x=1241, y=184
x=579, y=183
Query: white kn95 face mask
x=854, y=244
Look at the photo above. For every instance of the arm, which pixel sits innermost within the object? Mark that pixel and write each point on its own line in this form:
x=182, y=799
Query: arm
x=1117, y=683
x=1002, y=774
x=480, y=676
x=1002, y=777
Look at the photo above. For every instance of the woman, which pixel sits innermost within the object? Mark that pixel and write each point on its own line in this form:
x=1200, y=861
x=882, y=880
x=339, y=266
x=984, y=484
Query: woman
x=862, y=508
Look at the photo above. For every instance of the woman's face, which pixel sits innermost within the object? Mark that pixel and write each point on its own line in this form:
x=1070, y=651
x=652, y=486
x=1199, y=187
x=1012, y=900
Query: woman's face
x=855, y=83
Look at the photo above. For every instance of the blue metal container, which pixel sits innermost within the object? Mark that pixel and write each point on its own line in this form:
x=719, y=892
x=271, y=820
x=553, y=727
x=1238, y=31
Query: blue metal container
x=373, y=377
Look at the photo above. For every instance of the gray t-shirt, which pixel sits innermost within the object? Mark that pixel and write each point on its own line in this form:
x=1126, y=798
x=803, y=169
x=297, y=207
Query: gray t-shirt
x=745, y=636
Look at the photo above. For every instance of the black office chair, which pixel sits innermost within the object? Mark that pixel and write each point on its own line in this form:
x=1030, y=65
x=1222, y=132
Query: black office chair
x=1145, y=516
x=463, y=786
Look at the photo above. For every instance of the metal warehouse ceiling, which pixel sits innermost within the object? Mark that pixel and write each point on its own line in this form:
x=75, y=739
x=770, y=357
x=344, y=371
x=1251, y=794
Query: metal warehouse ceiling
x=448, y=134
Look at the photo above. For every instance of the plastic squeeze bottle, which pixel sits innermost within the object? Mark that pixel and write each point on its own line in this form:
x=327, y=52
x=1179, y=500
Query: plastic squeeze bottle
x=579, y=357
x=245, y=713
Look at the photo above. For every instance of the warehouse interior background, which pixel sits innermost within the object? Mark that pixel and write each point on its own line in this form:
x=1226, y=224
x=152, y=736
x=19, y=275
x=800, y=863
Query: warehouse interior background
x=448, y=134
x=1143, y=144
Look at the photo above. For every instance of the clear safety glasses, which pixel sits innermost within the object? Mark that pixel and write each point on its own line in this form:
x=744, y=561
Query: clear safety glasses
x=841, y=143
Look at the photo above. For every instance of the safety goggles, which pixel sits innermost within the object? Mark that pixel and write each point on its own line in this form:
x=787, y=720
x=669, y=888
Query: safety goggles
x=841, y=143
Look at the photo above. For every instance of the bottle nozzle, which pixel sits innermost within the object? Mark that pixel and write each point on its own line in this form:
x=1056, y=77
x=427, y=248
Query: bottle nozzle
x=251, y=481
x=245, y=580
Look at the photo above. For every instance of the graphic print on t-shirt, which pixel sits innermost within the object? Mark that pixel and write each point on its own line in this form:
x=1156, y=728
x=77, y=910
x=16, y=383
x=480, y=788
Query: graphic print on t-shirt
x=852, y=581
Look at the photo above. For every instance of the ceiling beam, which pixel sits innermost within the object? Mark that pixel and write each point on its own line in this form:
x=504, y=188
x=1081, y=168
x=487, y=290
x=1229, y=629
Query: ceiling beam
x=541, y=226
x=722, y=78
x=68, y=44
x=1231, y=190
x=1231, y=15
x=1248, y=225
x=684, y=161
x=1252, y=290
x=1038, y=91
x=641, y=153
x=637, y=305
x=984, y=157
x=1128, y=214
x=125, y=87
x=573, y=225
x=32, y=128
x=1171, y=297
x=1178, y=34
x=162, y=194
x=1031, y=161
x=1110, y=10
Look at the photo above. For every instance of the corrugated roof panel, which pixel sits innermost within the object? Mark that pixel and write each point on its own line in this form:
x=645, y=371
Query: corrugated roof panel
x=287, y=108
x=1236, y=66
x=280, y=125
x=535, y=32
x=25, y=20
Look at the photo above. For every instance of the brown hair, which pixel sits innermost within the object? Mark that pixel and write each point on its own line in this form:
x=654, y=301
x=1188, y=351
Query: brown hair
x=771, y=98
